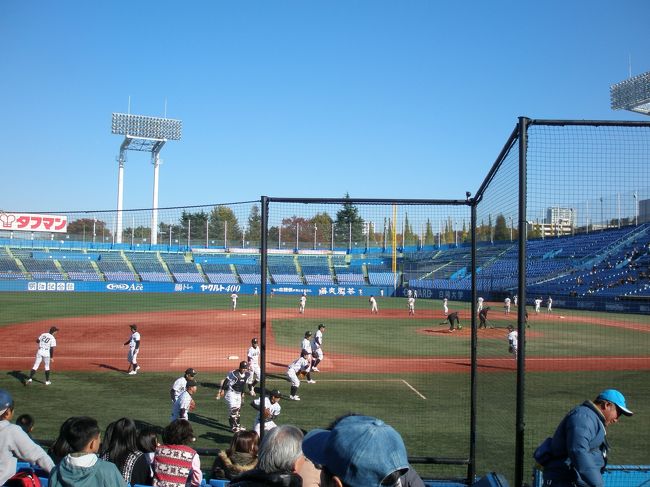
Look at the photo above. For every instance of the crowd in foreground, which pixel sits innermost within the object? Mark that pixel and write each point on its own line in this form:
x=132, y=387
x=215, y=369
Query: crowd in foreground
x=354, y=451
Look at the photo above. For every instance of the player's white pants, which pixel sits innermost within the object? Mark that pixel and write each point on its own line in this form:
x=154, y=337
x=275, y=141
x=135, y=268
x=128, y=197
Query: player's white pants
x=291, y=374
x=374, y=309
x=234, y=305
x=301, y=309
x=514, y=350
x=41, y=355
x=133, y=356
x=446, y=310
x=255, y=375
x=318, y=354
x=268, y=425
x=233, y=399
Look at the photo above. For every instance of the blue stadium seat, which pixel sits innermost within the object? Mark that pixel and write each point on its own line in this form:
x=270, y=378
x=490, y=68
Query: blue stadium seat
x=219, y=482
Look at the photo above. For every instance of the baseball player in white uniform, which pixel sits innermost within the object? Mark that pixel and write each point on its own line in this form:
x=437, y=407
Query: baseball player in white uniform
x=45, y=353
x=184, y=403
x=506, y=305
x=253, y=366
x=445, y=306
x=232, y=388
x=373, y=305
x=514, y=299
x=299, y=365
x=233, y=298
x=538, y=303
x=549, y=305
x=411, y=305
x=301, y=306
x=317, y=348
x=134, y=348
x=479, y=303
x=271, y=411
x=513, y=339
x=180, y=385
x=305, y=346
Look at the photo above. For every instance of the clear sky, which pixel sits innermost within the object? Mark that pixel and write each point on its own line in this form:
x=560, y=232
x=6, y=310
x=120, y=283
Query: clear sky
x=403, y=99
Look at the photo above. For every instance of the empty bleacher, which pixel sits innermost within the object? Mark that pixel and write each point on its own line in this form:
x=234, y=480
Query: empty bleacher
x=114, y=267
x=148, y=267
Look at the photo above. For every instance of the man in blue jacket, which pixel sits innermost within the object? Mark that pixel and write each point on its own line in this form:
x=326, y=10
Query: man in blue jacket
x=579, y=445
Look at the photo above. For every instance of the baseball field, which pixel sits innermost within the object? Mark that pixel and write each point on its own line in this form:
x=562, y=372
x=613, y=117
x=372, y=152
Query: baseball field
x=409, y=371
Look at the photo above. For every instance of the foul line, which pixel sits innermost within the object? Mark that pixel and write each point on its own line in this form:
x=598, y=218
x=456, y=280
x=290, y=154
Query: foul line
x=366, y=380
x=414, y=389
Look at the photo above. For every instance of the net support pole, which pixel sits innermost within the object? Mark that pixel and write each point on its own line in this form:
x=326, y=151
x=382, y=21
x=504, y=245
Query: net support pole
x=471, y=467
x=521, y=309
x=264, y=245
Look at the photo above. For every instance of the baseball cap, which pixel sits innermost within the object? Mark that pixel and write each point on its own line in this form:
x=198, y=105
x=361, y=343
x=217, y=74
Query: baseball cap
x=191, y=372
x=612, y=395
x=54, y=329
x=133, y=326
x=254, y=340
x=360, y=450
x=275, y=393
x=308, y=333
x=6, y=401
x=243, y=364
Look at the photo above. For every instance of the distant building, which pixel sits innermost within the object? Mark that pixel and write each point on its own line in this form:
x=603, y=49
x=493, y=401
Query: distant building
x=559, y=221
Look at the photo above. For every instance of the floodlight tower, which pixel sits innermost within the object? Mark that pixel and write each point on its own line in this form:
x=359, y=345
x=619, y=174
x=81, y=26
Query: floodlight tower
x=144, y=134
x=633, y=94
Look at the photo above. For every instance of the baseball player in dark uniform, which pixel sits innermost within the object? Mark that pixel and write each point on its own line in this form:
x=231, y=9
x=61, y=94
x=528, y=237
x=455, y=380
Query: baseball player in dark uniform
x=454, y=322
x=482, y=316
x=233, y=387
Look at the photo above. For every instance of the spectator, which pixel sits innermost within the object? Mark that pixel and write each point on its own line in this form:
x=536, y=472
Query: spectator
x=15, y=444
x=26, y=422
x=360, y=451
x=578, y=449
x=175, y=464
x=240, y=457
x=81, y=467
x=147, y=444
x=122, y=450
x=280, y=458
x=60, y=448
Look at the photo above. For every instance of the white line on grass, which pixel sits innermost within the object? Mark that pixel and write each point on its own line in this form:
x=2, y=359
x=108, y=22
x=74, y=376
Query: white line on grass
x=414, y=389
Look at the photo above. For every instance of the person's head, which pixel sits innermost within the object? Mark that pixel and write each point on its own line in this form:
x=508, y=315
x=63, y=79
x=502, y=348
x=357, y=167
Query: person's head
x=6, y=405
x=510, y=328
x=190, y=373
x=281, y=450
x=307, y=334
x=304, y=353
x=321, y=327
x=191, y=387
x=26, y=422
x=244, y=442
x=53, y=330
x=243, y=366
x=178, y=432
x=134, y=327
x=121, y=440
x=612, y=404
x=358, y=451
x=81, y=433
x=274, y=396
x=147, y=440
x=254, y=342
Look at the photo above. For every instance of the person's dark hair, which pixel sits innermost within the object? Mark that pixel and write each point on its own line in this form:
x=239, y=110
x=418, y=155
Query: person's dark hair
x=106, y=439
x=60, y=448
x=147, y=440
x=79, y=431
x=244, y=442
x=26, y=422
x=178, y=432
x=123, y=440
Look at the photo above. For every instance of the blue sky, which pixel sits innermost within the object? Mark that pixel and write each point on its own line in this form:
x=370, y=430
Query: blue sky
x=380, y=99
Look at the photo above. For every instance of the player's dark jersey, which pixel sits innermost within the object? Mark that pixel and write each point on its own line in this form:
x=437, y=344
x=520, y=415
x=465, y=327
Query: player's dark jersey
x=235, y=381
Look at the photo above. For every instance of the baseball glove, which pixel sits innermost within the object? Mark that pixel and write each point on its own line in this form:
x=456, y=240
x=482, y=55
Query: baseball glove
x=511, y=349
x=302, y=374
x=192, y=405
x=267, y=413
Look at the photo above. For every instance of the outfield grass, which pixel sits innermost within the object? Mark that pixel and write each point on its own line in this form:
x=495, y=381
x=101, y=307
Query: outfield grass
x=431, y=410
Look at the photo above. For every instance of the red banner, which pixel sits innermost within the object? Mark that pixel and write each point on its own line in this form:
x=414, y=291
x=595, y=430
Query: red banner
x=32, y=222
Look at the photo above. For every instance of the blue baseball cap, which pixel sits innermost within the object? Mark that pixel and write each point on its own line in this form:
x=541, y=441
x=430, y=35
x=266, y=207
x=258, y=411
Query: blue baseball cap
x=6, y=401
x=612, y=395
x=359, y=450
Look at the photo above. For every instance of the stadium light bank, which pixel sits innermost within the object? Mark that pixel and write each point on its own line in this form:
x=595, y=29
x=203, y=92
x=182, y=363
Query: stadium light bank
x=144, y=134
x=633, y=94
